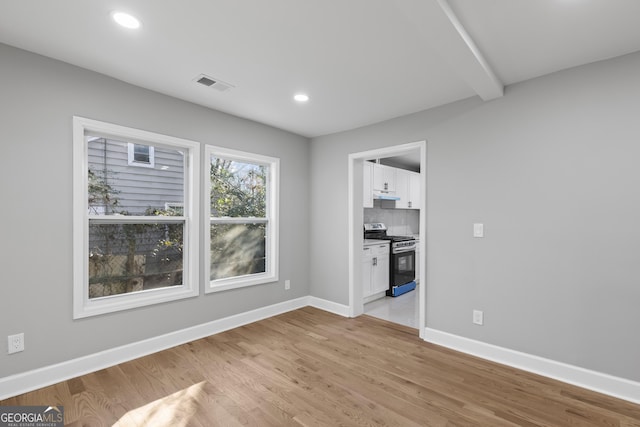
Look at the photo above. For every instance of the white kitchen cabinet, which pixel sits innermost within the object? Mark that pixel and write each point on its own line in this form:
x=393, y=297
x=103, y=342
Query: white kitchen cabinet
x=367, y=185
x=417, y=265
x=407, y=189
x=402, y=189
x=367, y=272
x=414, y=190
x=375, y=270
x=384, y=178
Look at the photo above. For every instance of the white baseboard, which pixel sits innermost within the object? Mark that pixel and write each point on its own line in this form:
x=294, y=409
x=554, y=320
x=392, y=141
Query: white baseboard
x=374, y=297
x=330, y=306
x=32, y=380
x=585, y=378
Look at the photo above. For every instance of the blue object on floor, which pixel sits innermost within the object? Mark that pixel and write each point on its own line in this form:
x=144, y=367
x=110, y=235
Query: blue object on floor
x=402, y=289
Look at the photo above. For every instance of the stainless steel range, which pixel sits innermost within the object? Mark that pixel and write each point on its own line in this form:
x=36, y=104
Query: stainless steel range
x=402, y=268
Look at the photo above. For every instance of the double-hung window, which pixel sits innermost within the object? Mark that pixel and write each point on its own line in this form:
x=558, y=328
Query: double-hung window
x=135, y=229
x=241, y=201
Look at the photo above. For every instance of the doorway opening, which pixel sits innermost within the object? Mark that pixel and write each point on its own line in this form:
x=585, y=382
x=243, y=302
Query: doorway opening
x=356, y=223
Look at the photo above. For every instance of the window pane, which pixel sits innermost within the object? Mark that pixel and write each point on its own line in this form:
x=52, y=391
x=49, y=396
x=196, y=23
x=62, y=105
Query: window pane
x=126, y=258
x=237, y=250
x=141, y=153
x=237, y=189
x=115, y=187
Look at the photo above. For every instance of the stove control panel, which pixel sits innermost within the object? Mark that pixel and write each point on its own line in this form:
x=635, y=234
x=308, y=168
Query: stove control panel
x=405, y=244
x=375, y=226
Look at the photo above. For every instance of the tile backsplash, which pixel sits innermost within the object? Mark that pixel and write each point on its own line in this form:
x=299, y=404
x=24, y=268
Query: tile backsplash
x=399, y=222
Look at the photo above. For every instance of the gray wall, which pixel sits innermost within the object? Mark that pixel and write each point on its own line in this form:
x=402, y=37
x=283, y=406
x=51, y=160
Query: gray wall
x=552, y=170
x=39, y=98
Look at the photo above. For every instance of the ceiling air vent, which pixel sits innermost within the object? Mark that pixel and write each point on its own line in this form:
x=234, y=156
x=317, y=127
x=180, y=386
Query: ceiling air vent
x=212, y=82
x=206, y=81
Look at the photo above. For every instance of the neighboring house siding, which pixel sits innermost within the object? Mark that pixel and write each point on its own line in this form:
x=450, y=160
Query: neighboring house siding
x=138, y=188
x=134, y=190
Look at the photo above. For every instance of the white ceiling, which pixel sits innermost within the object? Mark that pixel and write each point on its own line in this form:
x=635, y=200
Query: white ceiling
x=360, y=61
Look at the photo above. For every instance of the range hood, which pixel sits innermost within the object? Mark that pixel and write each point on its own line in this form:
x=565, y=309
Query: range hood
x=379, y=195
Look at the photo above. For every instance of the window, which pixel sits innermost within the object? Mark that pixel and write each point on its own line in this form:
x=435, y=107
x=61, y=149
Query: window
x=132, y=245
x=141, y=155
x=242, y=221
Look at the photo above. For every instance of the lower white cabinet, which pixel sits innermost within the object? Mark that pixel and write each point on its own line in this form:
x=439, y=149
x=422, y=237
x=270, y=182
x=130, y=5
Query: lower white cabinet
x=417, y=261
x=375, y=270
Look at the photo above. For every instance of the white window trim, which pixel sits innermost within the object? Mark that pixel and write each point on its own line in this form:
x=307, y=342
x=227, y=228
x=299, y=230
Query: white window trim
x=82, y=305
x=272, y=219
x=132, y=159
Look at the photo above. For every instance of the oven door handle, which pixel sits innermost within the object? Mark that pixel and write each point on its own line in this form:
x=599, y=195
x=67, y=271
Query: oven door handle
x=404, y=250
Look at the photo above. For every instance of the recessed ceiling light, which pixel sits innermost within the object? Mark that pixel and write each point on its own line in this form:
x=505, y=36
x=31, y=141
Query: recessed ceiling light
x=301, y=97
x=126, y=20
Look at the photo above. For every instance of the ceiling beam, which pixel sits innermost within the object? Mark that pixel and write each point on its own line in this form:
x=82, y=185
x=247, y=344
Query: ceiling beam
x=439, y=26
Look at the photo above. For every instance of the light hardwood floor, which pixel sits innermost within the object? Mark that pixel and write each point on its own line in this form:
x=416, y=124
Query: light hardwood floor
x=312, y=368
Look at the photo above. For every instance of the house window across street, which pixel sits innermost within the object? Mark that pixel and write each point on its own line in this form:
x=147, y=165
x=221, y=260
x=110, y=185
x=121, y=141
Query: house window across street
x=141, y=155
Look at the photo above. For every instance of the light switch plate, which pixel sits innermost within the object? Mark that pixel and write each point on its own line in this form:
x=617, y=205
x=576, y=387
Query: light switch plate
x=478, y=230
x=478, y=317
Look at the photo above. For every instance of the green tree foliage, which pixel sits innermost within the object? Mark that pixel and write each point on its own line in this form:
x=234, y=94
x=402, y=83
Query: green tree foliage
x=101, y=193
x=171, y=246
x=237, y=189
x=111, y=241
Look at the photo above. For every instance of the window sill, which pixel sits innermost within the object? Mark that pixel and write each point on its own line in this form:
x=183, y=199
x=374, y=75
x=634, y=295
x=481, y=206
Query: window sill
x=240, y=282
x=114, y=303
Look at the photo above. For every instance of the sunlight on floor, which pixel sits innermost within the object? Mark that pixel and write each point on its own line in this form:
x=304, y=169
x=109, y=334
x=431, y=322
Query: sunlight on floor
x=177, y=409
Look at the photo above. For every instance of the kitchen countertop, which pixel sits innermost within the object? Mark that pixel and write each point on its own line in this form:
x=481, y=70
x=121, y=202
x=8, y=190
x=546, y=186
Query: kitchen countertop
x=369, y=242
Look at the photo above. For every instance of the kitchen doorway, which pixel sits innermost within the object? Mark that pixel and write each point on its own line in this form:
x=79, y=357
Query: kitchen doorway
x=356, y=224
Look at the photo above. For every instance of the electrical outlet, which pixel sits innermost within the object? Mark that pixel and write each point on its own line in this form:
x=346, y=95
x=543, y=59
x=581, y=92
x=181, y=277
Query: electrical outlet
x=478, y=317
x=15, y=343
x=287, y=285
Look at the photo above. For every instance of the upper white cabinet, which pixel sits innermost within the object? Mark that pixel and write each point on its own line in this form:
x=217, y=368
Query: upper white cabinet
x=407, y=189
x=384, y=178
x=380, y=180
x=367, y=185
x=402, y=186
x=414, y=190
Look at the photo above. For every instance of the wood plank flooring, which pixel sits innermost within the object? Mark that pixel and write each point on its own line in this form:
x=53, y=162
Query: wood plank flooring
x=312, y=368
